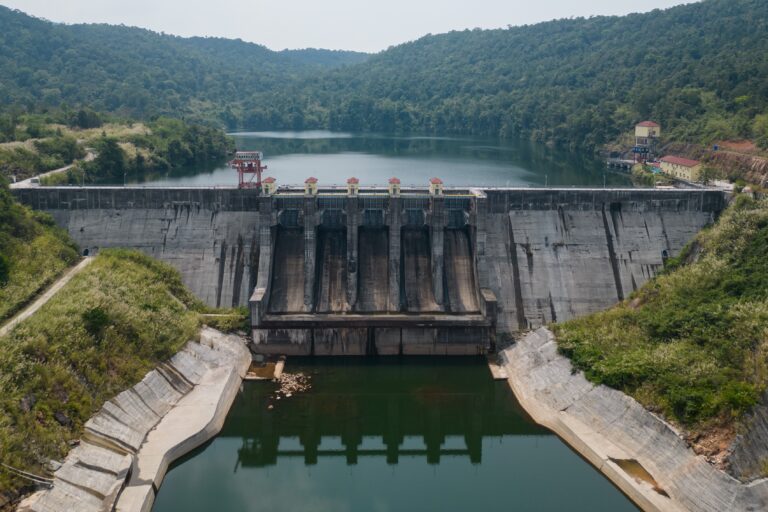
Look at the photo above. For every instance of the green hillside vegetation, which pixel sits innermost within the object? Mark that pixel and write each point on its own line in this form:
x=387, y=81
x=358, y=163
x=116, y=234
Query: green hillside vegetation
x=100, y=334
x=133, y=153
x=124, y=148
x=31, y=144
x=701, y=70
x=33, y=252
x=692, y=343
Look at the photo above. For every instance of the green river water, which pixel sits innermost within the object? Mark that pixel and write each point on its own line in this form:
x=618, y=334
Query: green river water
x=399, y=434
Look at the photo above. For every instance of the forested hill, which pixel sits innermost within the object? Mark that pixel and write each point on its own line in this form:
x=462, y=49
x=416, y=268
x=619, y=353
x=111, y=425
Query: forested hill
x=699, y=69
x=138, y=72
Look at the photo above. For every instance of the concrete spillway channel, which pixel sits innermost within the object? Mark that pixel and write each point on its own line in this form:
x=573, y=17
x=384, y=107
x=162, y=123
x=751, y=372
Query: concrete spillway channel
x=417, y=282
x=288, y=275
x=331, y=272
x=372, y=281
x=128, y=445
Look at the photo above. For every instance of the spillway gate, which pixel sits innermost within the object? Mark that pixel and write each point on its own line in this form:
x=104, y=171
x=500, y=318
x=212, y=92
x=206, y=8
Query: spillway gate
x=371, y=273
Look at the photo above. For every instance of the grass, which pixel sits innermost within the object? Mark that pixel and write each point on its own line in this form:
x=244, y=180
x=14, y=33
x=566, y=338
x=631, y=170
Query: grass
x=32, y=250
x=99, y=335
x=692, y=343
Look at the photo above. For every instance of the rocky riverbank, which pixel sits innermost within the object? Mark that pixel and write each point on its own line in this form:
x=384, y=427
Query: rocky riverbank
x=128, y=445
x=642, y=454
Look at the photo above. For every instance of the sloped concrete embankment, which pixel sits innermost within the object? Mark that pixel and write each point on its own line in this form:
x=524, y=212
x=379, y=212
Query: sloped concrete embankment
x=612, y=431
x=128, y=445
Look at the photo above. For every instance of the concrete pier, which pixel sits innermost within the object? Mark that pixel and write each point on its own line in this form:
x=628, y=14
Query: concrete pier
x=406, y=271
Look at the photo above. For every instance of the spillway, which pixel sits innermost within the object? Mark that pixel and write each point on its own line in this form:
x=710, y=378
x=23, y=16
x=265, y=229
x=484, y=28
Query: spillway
x=460, y=285
x=331, y=282
x=288, y=274
x=417, y=274
x=373, y=283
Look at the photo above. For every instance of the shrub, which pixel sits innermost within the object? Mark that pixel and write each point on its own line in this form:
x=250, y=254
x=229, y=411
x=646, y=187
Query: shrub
x=5, y=270
x=693, y=347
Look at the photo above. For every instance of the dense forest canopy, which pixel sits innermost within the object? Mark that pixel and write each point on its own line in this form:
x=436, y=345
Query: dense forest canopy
x=699, y=69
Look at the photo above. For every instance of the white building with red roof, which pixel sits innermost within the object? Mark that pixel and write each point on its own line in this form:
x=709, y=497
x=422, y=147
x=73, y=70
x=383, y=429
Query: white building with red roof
x=353, y=186
x=394, y=186
x=647, y=129
x=436, y=186
x=681, y=168
x=310, y=186
x=269, y=185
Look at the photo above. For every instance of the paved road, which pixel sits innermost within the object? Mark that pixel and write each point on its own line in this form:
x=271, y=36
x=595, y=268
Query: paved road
x=45, y=297
x=27, y=183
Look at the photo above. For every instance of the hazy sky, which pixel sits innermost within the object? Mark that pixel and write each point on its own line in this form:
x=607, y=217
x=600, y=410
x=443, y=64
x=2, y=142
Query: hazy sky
x=363, y=25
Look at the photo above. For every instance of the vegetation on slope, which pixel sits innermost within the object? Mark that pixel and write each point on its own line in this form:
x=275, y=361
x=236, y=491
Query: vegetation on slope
x=700, y=69
x=33, y=252
x=159, y=146
x=124, y=149
x=692, y=343
x=110, y=325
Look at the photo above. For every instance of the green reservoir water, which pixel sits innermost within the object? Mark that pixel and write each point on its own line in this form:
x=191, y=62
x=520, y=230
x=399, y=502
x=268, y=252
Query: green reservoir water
x=333, y=157
x=396, y=435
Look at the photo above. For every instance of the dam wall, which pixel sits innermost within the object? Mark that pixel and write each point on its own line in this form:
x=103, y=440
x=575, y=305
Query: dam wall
x=554, y=254
x=383, y=272
x=209, y=235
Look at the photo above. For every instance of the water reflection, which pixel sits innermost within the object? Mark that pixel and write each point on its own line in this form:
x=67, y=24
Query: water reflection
x=386, y=435
x=333, y=157
x=392, y=416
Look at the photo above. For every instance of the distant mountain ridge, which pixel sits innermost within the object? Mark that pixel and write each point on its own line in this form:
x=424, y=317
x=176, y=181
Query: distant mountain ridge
x=139, y=72
x=700, y=69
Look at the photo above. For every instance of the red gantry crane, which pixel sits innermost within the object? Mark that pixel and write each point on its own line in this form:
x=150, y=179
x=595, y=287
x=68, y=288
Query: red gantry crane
x=249, y=168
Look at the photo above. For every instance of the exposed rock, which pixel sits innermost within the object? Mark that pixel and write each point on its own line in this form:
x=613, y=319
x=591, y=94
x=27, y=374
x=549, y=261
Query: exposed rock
x=62, y=419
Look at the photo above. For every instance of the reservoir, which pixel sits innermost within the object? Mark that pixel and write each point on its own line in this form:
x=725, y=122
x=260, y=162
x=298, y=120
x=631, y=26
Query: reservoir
x=385, y=434
x=333, y=157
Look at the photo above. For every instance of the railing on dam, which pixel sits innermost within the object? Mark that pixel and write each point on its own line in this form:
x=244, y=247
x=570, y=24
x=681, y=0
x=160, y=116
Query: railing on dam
x=233, y=199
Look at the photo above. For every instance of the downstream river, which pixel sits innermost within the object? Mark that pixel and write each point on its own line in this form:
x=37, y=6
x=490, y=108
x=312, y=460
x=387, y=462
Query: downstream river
x=333, y=157
x=382, y=435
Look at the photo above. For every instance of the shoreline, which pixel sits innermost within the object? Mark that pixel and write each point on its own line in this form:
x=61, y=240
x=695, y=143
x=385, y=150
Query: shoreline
x=639, y=452
x=127, y=447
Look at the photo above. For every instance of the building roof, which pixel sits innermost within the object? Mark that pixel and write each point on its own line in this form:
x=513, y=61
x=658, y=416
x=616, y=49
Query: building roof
x=394, y=181
x=436, y=181
x=676, y=160
x=269, y=179
x=353, y=180
x=311, y=179
x=649, y=124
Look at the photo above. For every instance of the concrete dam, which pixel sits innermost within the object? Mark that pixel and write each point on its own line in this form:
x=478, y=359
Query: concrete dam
x=335, y=271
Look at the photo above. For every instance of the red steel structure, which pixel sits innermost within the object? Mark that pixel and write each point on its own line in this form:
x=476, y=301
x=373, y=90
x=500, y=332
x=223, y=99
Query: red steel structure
x=249, y=168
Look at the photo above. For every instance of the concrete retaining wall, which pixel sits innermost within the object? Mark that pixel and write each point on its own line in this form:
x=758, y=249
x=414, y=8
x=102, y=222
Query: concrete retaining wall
x=127, y=446
x=609, y=428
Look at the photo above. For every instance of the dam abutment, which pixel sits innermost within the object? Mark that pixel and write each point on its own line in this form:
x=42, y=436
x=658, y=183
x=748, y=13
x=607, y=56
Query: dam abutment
x=372, y=272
